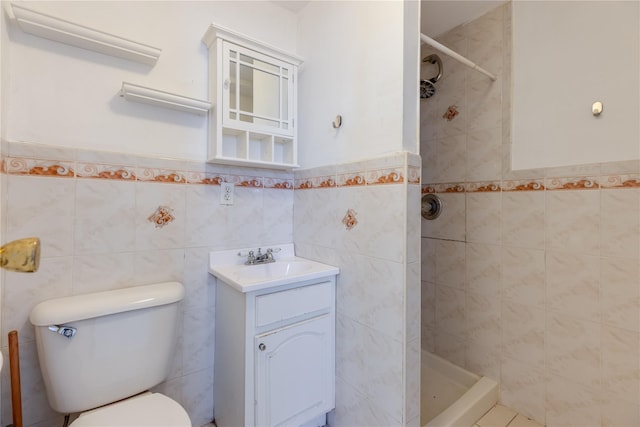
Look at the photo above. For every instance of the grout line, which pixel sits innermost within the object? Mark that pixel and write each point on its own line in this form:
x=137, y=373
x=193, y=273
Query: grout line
x=512, y=419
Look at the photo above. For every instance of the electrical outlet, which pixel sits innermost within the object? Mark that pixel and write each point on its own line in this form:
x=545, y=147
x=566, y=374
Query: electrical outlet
x=226, y=193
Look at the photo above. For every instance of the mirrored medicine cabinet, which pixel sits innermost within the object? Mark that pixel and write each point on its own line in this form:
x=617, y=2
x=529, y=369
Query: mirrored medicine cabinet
x=255, y=91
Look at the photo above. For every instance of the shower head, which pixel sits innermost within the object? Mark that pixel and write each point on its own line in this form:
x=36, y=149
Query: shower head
x=427, y=89
x=427, y=86
x=21, y=255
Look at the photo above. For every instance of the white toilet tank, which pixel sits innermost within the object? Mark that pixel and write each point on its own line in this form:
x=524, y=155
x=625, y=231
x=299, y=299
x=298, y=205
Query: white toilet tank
x=98, y=348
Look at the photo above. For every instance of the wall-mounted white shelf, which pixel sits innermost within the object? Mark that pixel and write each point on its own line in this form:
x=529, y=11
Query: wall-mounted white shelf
x=264, y=150
x=137, y=93
x=56, y=29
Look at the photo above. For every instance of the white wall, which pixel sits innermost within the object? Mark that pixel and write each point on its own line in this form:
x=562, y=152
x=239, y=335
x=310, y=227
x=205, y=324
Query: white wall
x=62, y=95
x=411, y=63
x=588, y=51
x=3, y=74
x=59, y=95
x=353, y=66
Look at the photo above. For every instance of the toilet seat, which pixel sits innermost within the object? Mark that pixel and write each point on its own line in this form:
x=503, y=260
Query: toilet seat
x=147, y=409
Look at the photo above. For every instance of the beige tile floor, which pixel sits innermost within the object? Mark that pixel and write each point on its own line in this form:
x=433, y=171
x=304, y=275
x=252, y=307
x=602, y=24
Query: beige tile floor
x=501, y=416
x=498, y=416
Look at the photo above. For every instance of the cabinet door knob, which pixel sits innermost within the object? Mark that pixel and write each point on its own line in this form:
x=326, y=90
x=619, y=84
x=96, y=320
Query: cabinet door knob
x=262, y=347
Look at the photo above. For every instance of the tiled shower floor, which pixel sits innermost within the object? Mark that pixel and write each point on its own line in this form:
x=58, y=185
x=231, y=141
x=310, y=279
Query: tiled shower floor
x=501, y=416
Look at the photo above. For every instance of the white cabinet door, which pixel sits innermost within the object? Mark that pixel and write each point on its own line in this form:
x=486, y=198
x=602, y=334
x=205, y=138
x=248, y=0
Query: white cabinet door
x=294, y=373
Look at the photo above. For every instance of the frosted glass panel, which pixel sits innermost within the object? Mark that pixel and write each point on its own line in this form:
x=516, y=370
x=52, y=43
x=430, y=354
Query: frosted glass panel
x=259, y=95
x=259, y=91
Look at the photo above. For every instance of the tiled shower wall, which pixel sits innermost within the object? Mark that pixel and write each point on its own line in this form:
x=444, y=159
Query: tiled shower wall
x=364, y=218
x=530, y=277
x=109, y=221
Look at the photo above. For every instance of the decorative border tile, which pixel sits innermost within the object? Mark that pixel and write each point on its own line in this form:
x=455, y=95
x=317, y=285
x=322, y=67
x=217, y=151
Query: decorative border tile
x=325, y=182
x=428, y=189
x=449, y=188
x=113, y=166
x=376, y=171
x=161, y=175
x=246, y=181
x=524, y=185
x=551, y=184
x=315, y=182
x=279, y=183
x=581, y=183
x=483, y=187
x=302, y=184
x=413, y=173
x=620, y=181
x=97, y=171
x=93, y=164
x=40, y=167
x=351, y=179
x=385, y=176
x=204, y=178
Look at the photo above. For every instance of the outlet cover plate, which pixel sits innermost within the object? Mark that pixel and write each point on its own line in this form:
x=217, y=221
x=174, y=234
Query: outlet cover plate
x=226, y=193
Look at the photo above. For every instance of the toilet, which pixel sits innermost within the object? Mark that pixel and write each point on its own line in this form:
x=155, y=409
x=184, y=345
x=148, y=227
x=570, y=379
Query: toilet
x=100, y=354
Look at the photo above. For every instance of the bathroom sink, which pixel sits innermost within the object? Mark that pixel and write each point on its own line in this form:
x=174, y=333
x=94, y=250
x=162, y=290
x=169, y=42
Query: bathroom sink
x=274, y=270
x=247, y=278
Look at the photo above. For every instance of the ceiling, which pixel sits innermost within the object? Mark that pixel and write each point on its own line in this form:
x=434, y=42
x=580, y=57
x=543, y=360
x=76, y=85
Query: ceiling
x=437, y=16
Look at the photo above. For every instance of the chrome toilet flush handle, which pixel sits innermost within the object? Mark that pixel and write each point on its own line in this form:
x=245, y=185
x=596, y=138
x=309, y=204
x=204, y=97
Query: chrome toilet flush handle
x=65, y=331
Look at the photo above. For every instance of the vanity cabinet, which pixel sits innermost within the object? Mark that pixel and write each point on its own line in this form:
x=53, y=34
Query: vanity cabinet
x=255, y=91
x=275, y=354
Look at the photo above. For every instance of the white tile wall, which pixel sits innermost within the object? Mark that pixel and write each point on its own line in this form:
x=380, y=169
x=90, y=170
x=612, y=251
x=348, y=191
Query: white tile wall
x=378, y=293
x=92, y=215
x=96, y=236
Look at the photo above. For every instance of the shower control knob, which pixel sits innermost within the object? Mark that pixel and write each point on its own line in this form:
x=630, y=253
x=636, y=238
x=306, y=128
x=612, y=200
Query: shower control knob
x=262, y=347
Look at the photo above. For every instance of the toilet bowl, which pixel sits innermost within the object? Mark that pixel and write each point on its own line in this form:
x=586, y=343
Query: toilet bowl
x=146, y=409
x=100, y=354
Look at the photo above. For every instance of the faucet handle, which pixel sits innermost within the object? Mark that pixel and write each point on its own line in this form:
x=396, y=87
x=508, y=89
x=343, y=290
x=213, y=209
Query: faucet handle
x=270, y=253
x=251, y=258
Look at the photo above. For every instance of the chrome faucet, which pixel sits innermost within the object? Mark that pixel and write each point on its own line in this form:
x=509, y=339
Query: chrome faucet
x=260, y=258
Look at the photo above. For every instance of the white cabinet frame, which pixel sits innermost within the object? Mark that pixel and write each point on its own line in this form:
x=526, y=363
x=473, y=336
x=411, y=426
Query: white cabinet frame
x=237, y=142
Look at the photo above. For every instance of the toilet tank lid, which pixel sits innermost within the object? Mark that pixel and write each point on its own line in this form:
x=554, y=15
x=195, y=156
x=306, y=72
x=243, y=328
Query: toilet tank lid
x=87, y=306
